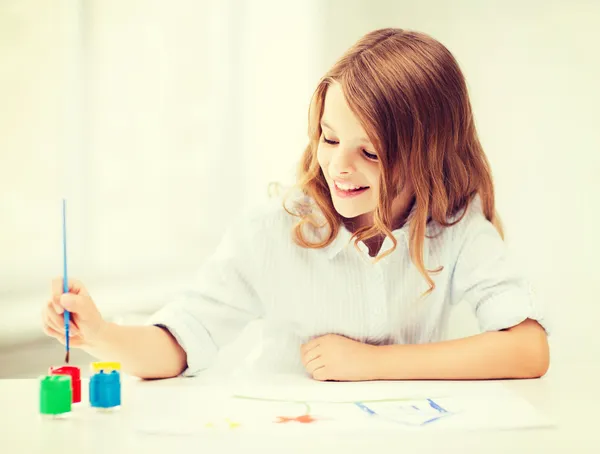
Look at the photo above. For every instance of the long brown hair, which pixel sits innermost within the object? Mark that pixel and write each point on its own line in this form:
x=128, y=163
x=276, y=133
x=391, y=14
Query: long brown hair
x=411, y=97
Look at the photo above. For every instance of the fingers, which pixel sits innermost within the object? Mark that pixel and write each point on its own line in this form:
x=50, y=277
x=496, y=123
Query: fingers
x=51, y=318
x=315, y=367
x=313, y=361
x=75, y=287
x=311, y=355
x=56, y=307
x=76, y=300
x=53, y=323
x=320, y=374
x=75, y=341
x=310, y=345
x=55, y=320
x=78, y=304
x=50, y=331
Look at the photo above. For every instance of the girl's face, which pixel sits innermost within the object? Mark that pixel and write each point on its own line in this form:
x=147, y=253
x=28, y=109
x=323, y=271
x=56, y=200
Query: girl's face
x=348, y=160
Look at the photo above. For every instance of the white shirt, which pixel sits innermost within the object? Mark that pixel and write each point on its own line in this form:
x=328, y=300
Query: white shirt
x=258, y=272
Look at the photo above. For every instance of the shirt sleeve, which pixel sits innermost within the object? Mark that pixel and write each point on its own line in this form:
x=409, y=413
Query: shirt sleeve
x=219, y=304
x=487, y=278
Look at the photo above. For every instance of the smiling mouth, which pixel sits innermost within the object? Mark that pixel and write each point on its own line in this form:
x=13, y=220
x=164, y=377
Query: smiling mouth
x=348, y=187
x=348, y=190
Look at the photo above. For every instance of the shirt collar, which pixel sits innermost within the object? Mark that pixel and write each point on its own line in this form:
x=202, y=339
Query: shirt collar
x=344, y=239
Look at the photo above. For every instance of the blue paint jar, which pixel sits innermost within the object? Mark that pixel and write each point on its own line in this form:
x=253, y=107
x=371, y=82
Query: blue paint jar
x=105, y=390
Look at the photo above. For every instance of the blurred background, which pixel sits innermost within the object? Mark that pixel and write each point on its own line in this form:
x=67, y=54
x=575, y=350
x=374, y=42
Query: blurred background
x=159, y=120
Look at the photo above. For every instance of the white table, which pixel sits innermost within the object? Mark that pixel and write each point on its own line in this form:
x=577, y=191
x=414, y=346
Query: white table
x=569, y=400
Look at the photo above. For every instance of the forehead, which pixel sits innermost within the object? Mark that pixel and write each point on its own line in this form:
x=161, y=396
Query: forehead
x=338, y=115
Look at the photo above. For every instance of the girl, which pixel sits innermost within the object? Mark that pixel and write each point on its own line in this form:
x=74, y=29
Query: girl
x=353, y=277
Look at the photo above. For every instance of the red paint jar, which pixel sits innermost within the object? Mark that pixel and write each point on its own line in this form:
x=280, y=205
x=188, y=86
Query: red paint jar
x=75, y=374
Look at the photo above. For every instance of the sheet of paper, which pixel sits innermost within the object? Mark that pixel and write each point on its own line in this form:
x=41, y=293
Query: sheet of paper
x=299, y=405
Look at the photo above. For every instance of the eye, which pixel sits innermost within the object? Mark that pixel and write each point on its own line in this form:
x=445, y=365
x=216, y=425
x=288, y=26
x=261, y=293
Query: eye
x=371, y=156
x=330, y=142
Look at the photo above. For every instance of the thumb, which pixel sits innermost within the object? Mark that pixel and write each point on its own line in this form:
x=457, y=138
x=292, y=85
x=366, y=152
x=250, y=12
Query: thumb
x=78, y=304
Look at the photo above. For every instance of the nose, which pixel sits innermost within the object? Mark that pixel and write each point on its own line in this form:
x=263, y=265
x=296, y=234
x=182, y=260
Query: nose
x=342, y=162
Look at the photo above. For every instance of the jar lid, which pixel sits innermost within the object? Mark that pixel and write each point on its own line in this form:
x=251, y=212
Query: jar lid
x=72, y=371
x=106, y=366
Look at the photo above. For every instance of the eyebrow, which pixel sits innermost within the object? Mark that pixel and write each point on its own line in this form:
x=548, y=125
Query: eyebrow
x=362, y=139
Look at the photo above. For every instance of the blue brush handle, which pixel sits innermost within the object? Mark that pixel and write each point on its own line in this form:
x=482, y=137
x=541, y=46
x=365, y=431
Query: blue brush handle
x=66, y=314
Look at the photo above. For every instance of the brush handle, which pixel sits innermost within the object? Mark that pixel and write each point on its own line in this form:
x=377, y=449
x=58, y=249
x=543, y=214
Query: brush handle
x=66, y=314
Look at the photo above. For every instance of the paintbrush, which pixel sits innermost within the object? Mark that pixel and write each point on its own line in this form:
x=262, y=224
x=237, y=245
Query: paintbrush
x=66, y=314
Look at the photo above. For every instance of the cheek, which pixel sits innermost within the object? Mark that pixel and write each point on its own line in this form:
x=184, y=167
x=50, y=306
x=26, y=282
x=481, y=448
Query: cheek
x=323, y=159
x=373, y=178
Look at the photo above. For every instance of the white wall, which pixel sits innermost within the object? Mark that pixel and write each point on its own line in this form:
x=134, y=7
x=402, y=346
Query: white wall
x=280, y=45
x=169, y=111
x=36, y=103
x=157, y=120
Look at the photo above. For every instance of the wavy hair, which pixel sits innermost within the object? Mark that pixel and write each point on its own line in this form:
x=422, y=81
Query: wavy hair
x=411, y=97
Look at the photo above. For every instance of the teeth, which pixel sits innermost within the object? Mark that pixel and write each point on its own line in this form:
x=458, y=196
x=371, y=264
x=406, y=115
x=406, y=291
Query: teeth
x=346, y=187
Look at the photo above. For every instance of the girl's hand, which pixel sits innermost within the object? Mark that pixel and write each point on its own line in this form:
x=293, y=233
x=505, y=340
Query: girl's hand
x=334, y=357
x=86, y=322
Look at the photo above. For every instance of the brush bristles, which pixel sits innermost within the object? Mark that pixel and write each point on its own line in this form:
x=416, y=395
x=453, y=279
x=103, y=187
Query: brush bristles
x=67, y=358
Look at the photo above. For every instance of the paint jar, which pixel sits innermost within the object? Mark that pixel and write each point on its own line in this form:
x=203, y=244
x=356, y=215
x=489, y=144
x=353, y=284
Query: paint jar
x=75, y=374
x=55, y=396
x=105, y=391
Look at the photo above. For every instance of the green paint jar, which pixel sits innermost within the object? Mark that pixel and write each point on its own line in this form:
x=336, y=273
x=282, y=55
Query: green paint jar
x=55, y=395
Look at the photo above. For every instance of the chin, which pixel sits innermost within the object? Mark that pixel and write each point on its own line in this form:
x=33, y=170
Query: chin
x=348, y=212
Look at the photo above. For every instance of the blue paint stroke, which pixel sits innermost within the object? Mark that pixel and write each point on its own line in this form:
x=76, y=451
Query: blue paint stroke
x=431, y=420
x=364, y=408
x=436, y=406
x=442, y=413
